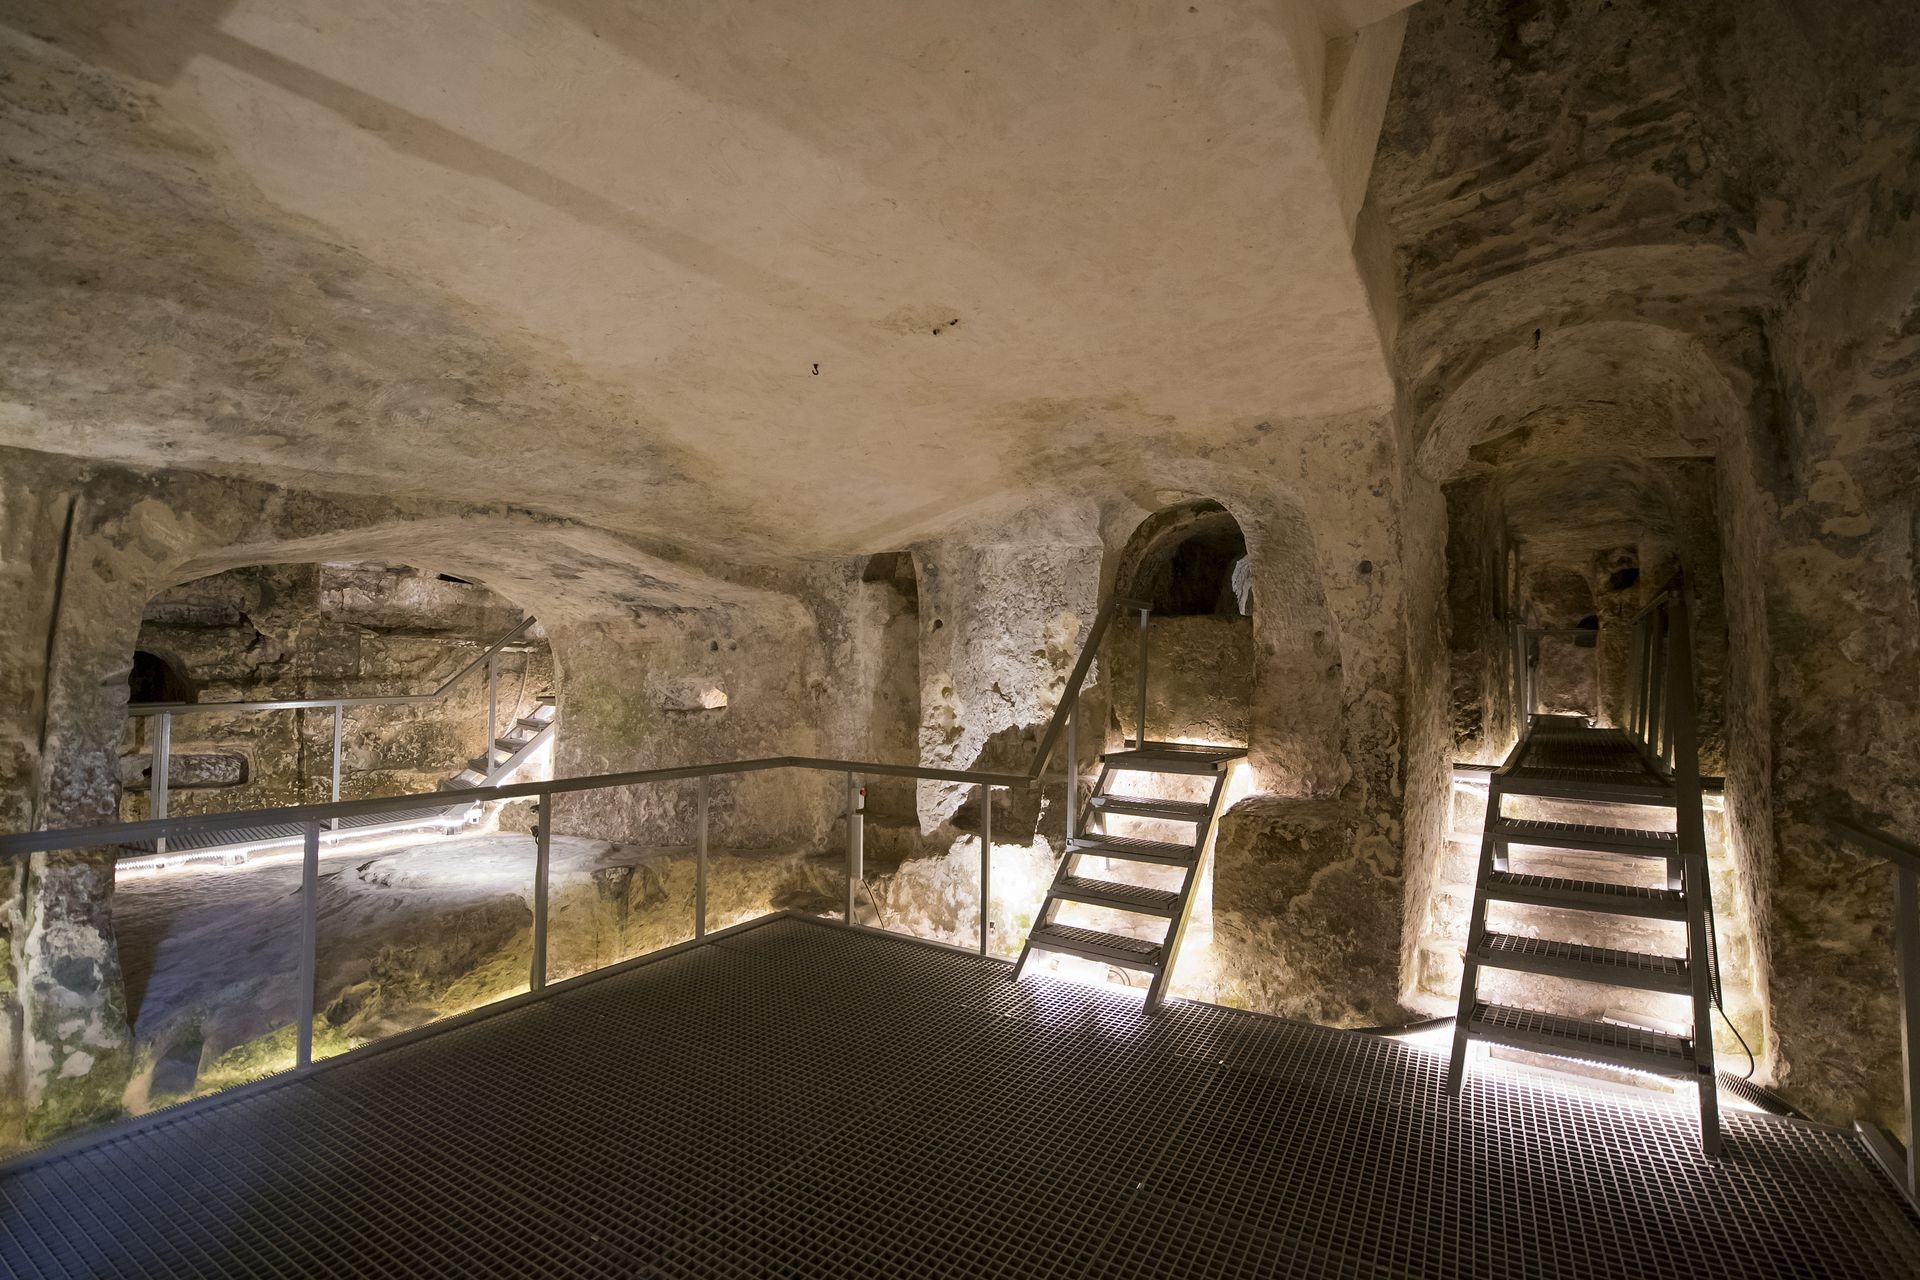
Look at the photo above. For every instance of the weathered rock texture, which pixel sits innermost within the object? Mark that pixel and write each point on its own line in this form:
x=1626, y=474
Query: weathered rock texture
x=313, y=631
x=823, y=421
x=407, y=936
x=109, y=541
x=1654, y=278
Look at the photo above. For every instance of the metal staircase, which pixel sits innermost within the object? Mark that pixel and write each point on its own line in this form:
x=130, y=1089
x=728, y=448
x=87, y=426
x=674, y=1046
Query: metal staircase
x=509, y=751
x=1650, y=766
x=234, y=844
x=1122, y=852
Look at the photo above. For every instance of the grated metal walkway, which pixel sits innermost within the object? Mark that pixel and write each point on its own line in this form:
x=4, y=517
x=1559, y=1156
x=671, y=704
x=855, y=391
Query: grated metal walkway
x=800, y=1099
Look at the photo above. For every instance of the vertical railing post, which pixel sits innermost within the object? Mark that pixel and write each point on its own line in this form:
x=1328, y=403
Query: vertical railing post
x=986, y=864
x=1660, y=673
x=1678, y=732
x=493, y=708
x=1517, y=644
x=700, y=859
x=160, y=771
x=339, y=715
x=1529, y=644
x=1632, y=725
x=856, y=847
x=1073, y=768
x=542, y=874
x=1906, y=942
x=1141, y=725
x=309, y=944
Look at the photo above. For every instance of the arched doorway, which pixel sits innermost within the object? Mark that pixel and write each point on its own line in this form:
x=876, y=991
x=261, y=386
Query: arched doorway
x=1189, y=565
x=269, y=632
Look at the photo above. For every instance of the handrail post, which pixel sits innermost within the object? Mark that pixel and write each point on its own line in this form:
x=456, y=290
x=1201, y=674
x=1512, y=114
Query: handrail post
x=162, y=766
x=339, y=714
x=856, y=847
x=700, y=859
x=1140, y=727
x=1517, y=645
x=1073, y=768
x=309, y=944
x=1906, y=943
x=493, y=708
x=1660, y=673
x=542, y=873
x=1679, y=731
x=986, y=863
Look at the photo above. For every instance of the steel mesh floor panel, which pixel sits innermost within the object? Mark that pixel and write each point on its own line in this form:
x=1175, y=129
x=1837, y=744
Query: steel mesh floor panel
x=798, y=1099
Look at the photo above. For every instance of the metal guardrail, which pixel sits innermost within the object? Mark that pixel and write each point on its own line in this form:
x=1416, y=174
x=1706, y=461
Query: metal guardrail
x=165, y=712
x=1657, y=684
x=368, y=700
x=311, y=818
x=1905, y=859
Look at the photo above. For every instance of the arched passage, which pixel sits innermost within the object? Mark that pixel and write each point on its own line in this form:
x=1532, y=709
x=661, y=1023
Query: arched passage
x=1189, y=564
x=336, y=629
x=1585, y=469
x=114, y=540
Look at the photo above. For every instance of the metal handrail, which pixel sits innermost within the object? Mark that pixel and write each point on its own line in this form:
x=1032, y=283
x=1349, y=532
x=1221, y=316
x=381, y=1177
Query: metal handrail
x=291, y=704
x=117, y=833
x=1665, y=595
x=1905, y=859
x=311, y=818
x=1904, y=855
x=164, y=712
x=30, y=842
x=1070, y=695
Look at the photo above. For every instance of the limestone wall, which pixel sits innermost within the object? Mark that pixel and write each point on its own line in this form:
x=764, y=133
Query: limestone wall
x=1653, y=268
x=300, y=631
x=88, y=546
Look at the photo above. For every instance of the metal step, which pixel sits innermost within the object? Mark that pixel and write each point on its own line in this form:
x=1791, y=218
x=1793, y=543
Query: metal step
x=1127, y=953
x=511, y=746
x=1587, y=839
x=1607, y=965
x=1587, y=895
x=547, y=700
x=1140, y=807
x=1174, y=759
x=1550, y=1033
x=1121, y=897
x=1159, y=852
x=1606, y=786
x=532, y=724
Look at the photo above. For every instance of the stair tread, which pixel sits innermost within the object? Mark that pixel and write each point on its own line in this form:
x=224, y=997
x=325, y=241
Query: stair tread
x=1144, y=807
x=1586, y=783
x=1131, y=897
x=1092, y=943
x=1165, y=852
x=1563, y=834
x=1587, y=895
x=1583, y=1038
x=1174, y=758
x=1227, y=750
x=1593, y=964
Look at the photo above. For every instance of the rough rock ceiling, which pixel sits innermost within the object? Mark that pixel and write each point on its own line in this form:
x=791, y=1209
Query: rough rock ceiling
x=776, y=279
x=1592, y=203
